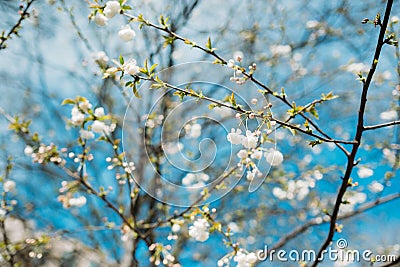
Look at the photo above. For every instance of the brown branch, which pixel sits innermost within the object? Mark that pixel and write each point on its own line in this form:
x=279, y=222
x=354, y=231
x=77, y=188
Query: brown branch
x=14, y=30
x=377, y=126
x=358, y=135
x=249, y=76
x=315, y=221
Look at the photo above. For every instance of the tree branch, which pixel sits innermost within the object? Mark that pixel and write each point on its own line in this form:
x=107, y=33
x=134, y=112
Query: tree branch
x=377, y=126
x=358, y=135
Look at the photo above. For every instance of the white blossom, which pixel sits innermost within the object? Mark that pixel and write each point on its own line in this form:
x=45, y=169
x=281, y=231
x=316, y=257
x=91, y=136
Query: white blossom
x=375, y=187
x=242, y=154
x=356, y=67
x=235, y=137
x=250, y=175
x=279, y=193
x=257, y=154
x=28, y=150
x=126, y=33
x=9, y=186
x=131, y=67
x=195, y=180
x=238, y=55
x=99, y=112
x=390, y=155
x=280, y=50
x=175, y=228
x=250, y=141
x=85, y=134
x=274, y=157
x=230, y=63
x=85, y=105
x=364, y=172
x=77, y=202
x=112, y=8
x=77, y=117
x=98, y=126
x=100, y=19
x=251, y=258
x=195, y=130
x=388, y=115
x=244, y=260
x=199, y=230
x=101, y=58
x=312, y=24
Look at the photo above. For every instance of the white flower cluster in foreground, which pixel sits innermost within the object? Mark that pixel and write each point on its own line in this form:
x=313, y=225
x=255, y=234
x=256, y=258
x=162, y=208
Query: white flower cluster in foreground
x=242, y=259
x=200, y=230
x=245, y=260
x=111, y=9
x=251, y=152
x=82, y=113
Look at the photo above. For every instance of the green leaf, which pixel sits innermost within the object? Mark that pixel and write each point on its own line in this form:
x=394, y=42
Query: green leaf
x=68, y=101
x=232, y=100
x=135, y=91
x=208, y=45
x=212, y=106
x=313, y=111
x=156, y=86
x=121, y=60
x=315, y=143
x=152, y=68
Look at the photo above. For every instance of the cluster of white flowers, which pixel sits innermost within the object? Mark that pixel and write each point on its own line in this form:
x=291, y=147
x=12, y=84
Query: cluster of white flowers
x=199, y=230
x=195, y=181
x=80, y=113
x=172, y=147
x=9, y=186
x=364, y=172
x=298, y=189
x=356, y=67
x=249, y=141
x=126, y=33
x=251, y=152
x=77, y=202
x=390, y=155
x=46, y=154
x=280, y=50
x=274, y=157
x=245, y=260
x=312, y=24
x=388, y=115
x=376, y=187
x=238, y=76
x=111, y=9
x=69, y=201
x=296, y=65
x=193, y=130
x=162, y=254
x=128, y=168
x=131, y=67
